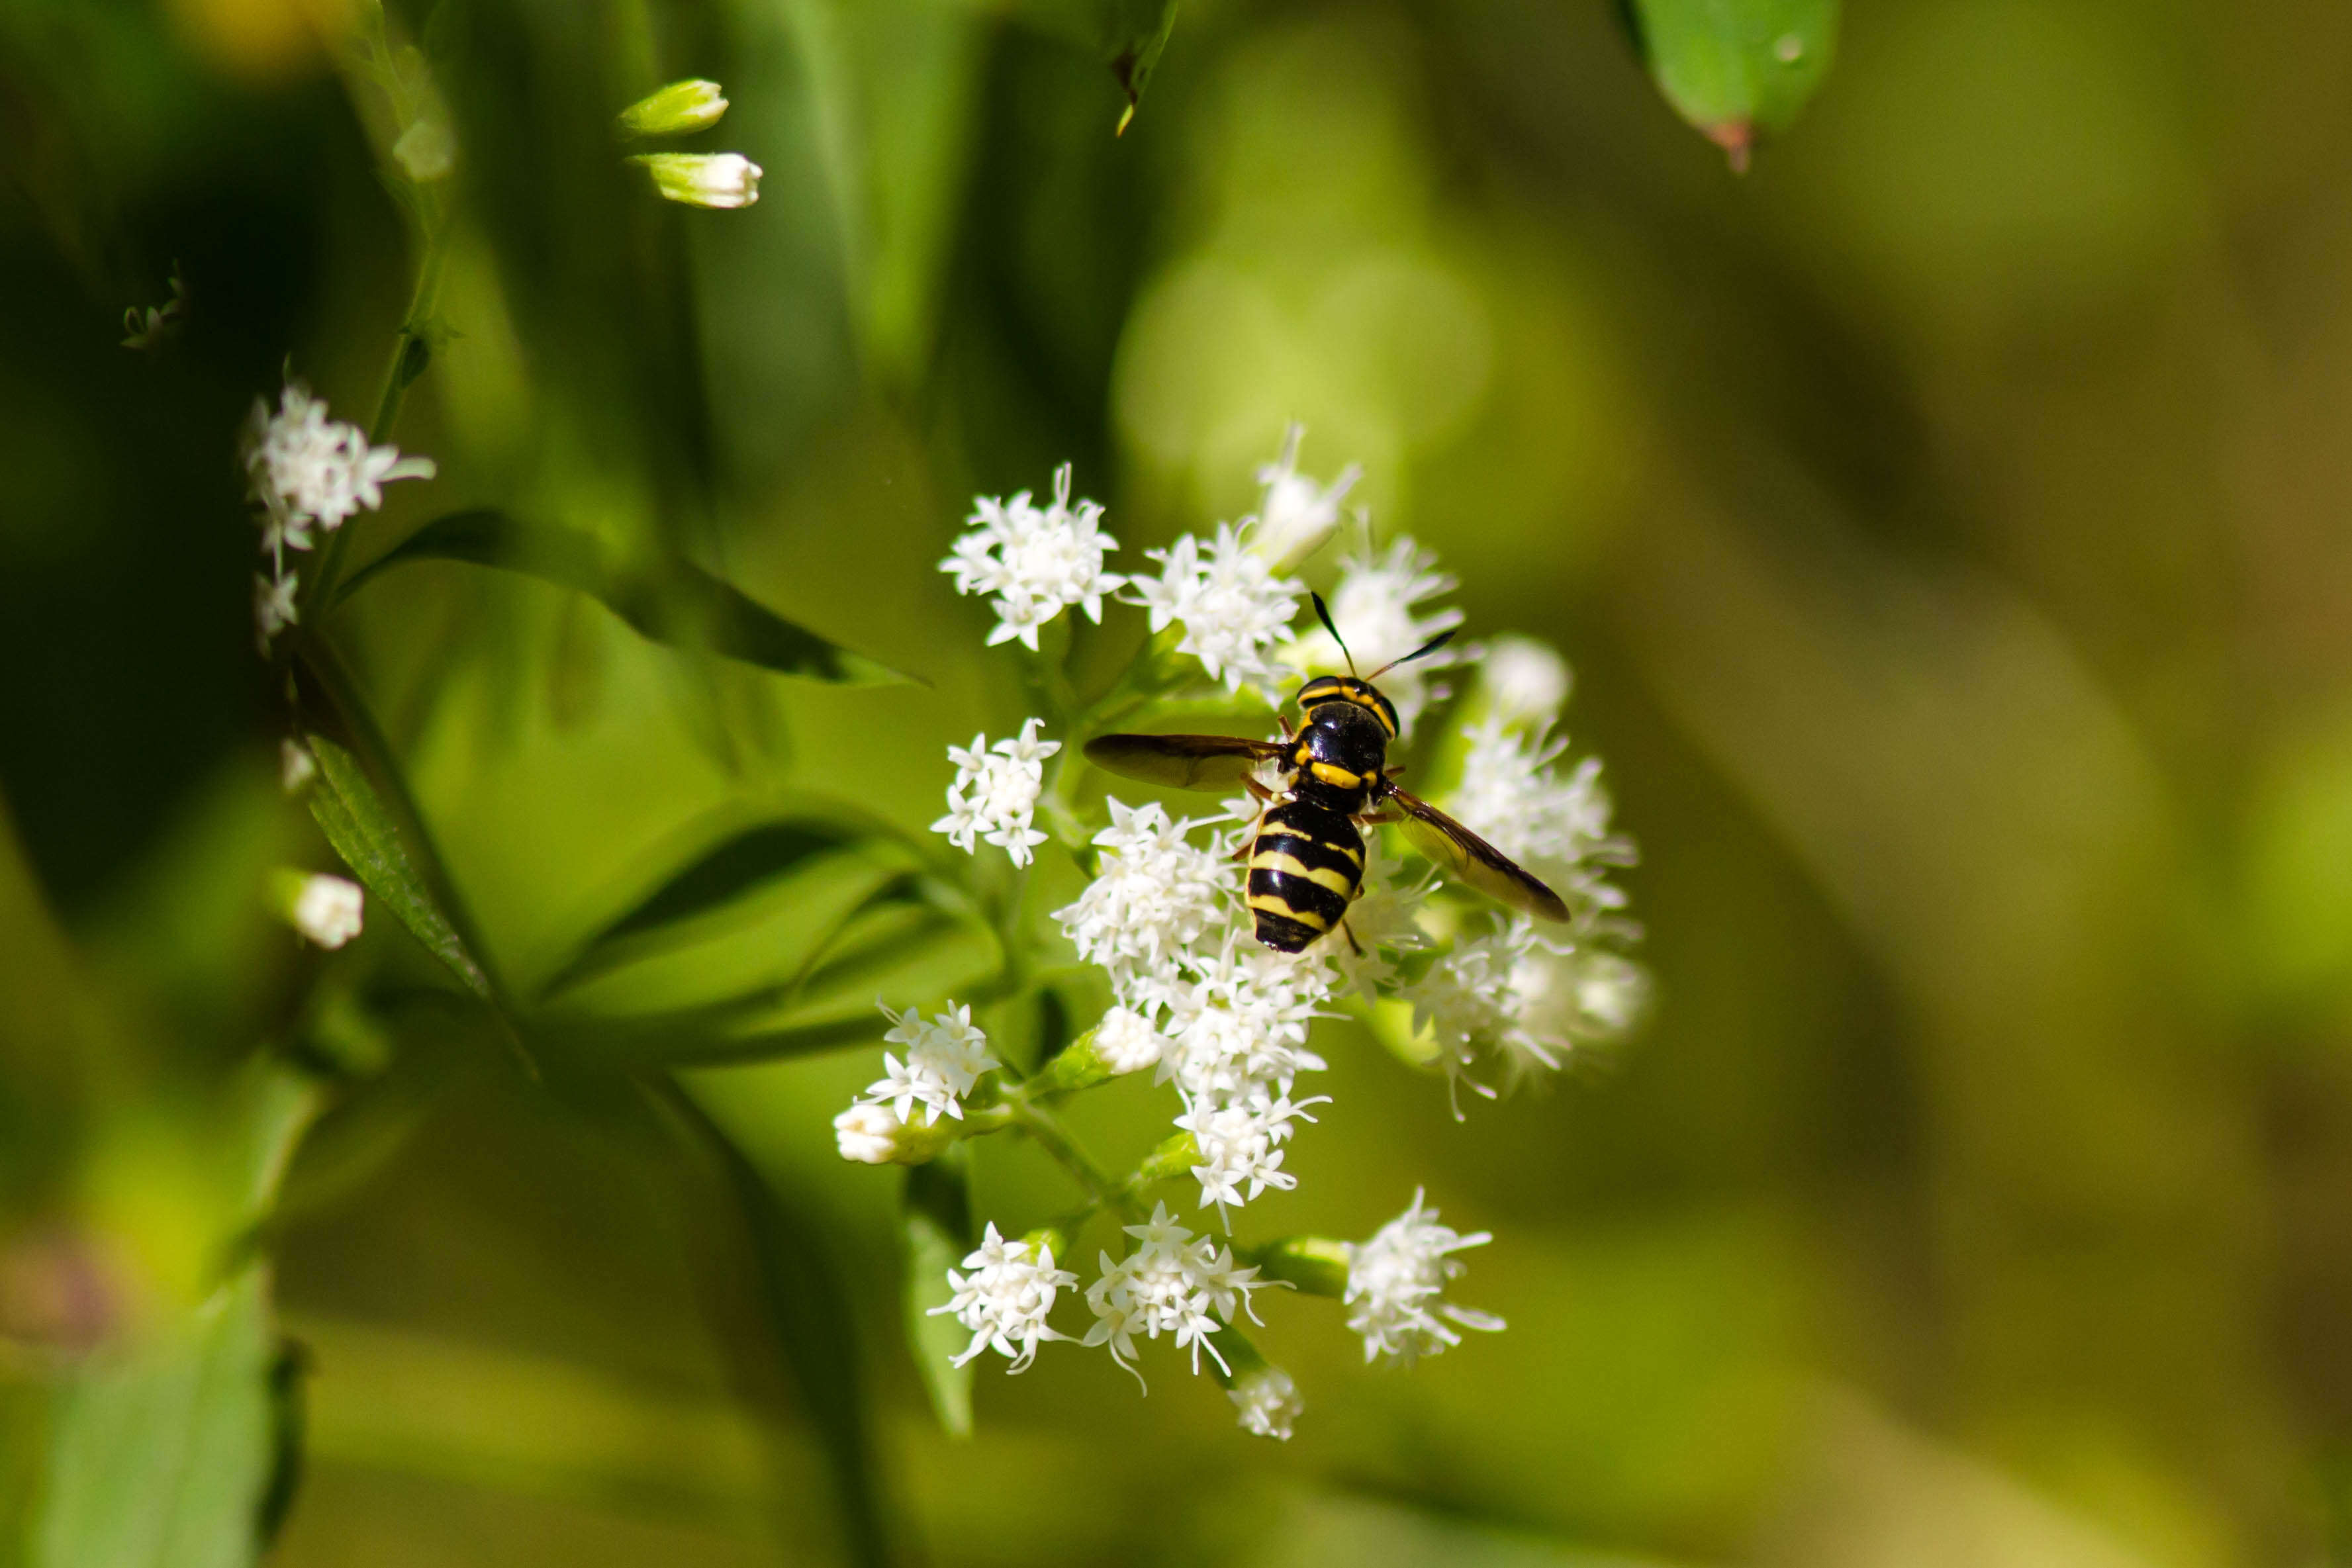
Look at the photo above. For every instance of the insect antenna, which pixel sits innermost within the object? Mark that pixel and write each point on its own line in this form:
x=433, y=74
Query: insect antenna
x=1432, y=646
x=1323, y=613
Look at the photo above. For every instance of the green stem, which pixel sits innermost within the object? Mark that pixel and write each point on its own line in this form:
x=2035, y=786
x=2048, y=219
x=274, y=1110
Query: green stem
x=1049, y=1135
x=398, y=376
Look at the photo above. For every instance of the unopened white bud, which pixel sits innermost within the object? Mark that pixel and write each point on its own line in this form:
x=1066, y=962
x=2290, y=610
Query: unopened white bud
x=427, y=150
x=868, y=1134
x=679, y=109
x=296, y=765
x=1268, y=1401
x=1126, y=1041
x=721, y=180
x=1526, y=681
x=325, y=909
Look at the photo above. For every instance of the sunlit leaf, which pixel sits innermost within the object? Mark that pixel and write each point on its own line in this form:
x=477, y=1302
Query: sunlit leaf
x=1737, y=69
x=783, y=1312
x=360, y=825
x=161, y=1456
x=749, y=859
x=668, y=601
x=936, y=1231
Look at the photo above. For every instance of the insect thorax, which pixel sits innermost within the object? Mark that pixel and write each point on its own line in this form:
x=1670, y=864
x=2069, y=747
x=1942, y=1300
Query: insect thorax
x=1338, y=759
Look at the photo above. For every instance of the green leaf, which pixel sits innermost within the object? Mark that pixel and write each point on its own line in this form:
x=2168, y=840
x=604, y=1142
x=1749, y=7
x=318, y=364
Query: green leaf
x=936, y=1229
x=1135, y=35
x=710, y=1035
x=749, y=859
x=783, y=1311
x=665, y=600
x=160, y=1457
x=1130, y=34
x=1737, y=69
x=356, y=820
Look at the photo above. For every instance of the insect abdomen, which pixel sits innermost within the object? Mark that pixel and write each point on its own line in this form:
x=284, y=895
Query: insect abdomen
x=1306, y=867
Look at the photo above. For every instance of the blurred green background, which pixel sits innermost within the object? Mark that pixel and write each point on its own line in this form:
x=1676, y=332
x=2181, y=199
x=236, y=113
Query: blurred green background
x=1946, y=521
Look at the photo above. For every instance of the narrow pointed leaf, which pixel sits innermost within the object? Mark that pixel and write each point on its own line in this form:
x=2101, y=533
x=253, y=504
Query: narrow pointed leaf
x=1737, y=69
x=1135, y=35
x=935, y=1231
x=668, y=601
x=161, y=1455
x=355, y=818
x=721, y=875
x=782, y=1309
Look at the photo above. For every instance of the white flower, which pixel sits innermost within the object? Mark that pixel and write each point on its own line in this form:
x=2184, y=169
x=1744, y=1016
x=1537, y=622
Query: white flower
x=1525, y=682
x=1375, y=606
x=296, y=765
x=327, y=910
x=1155, y=894
x=1171, y=1282
x=1395, y=1280
x=1006, y=1297
x=1294, y=517
x=1037, y=562
x=1385, y=919
x=1611, y=994
x=868, y=1133
x=995, y=793
x=1233, y=606
x=1268, y=1401
x=273, y=607
x=944, y=1058
x=307, y=469
x=723, y=180
x=1528, y=998
x=1126, y=1041
x=1240, y=1142
x=1239, y=1021
x=1557, y=828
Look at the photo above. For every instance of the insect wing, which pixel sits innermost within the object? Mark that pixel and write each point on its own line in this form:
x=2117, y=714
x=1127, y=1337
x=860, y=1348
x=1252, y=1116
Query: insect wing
x=1181, y=761
x=1476, y=862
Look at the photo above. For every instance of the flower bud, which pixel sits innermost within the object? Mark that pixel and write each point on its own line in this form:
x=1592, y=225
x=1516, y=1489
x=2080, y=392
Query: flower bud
x=324, y=909
x=1526, y=681
x=1295, y=517
x=679, y=109
x=721, y=180
x=872, y=1135
x=427, y=150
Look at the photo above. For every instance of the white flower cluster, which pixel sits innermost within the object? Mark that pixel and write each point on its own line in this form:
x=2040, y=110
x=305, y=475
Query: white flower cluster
x=1233, y=606
x=1220, y=1016
x=308, y=472
x=1006, y=1297
x=944, y=1057
x=1036, y=561
x=1377, y=604
x=1197, y=998
x=1395, y=1280
x=1557, y=827
x=1173, y=1282
x=994, y=796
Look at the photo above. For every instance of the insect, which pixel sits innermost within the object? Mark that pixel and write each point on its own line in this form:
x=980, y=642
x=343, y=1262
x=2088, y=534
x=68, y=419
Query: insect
x=1307, y=857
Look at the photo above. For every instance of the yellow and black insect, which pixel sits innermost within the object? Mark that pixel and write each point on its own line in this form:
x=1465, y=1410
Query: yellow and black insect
x=1306, y=859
